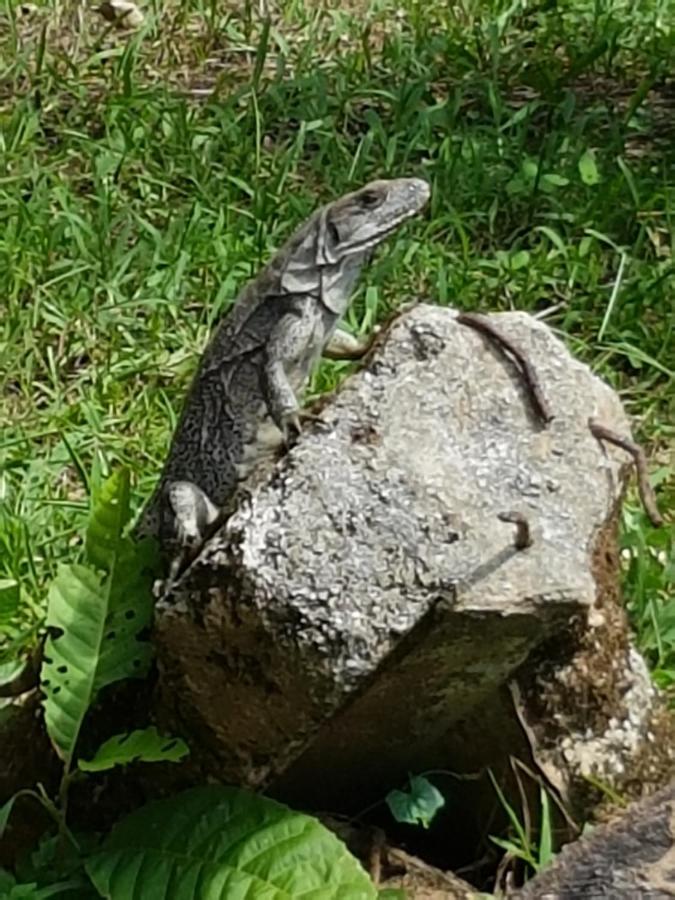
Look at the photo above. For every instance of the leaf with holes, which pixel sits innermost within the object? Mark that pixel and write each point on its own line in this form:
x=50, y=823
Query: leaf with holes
x=220, y=843
x=108, y=515
x=145, y=745
x=417, y=806
x=95, y=618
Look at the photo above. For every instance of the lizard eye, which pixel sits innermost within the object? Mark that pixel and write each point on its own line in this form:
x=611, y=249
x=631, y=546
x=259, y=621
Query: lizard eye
x=333, y=232
x=370, y=199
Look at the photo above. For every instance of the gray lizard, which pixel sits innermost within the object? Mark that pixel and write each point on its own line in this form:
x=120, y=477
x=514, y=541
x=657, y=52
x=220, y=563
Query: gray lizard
x=243, y=402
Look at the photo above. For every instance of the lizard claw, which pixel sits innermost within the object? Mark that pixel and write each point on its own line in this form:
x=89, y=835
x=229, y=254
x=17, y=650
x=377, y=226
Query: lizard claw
x=193, y=512
x=293, y=423
x=291, y=426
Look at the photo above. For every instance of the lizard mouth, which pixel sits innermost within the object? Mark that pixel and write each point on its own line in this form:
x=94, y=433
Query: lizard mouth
x=382, y=235
x=405, y=198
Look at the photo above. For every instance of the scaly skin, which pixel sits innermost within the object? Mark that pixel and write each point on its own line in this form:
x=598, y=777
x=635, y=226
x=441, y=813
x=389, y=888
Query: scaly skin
x=243, y=401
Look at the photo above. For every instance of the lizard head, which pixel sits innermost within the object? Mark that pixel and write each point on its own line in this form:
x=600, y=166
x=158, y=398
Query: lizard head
x=357, y=222
x=324, y=257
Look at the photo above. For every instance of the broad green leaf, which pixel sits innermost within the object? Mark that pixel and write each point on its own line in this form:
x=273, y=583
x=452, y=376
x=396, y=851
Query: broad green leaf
x=146, y=745
x=219, y=843
x=31, y=891
x=98, y=619
x=109, y=514
x=419, y=805
x=588, y=168
x=95, y=619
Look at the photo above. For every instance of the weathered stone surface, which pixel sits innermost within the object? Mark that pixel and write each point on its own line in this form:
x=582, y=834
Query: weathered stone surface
x=362, y=611
x=631, y=858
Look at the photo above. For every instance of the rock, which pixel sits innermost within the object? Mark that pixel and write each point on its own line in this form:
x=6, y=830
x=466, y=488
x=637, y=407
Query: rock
x=363, y=611
x=419, y=881
x=121, y=13
x=630, y=858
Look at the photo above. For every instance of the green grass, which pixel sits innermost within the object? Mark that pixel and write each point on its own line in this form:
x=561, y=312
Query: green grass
x=143, y=180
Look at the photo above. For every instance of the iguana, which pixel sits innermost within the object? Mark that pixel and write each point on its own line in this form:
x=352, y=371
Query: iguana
x=243, y=402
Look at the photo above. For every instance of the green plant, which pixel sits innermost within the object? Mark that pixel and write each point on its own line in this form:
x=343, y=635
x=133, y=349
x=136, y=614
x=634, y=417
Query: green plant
x=208, y=842
x=96, y=613
x=223, y=842
x=521, y=844
x=418, y=805
x=648, y=555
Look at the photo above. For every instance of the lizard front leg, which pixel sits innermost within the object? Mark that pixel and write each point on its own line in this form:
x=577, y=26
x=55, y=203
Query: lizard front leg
x=292, y=348
x=193, y=511
x=282, y=404
x=193, y=514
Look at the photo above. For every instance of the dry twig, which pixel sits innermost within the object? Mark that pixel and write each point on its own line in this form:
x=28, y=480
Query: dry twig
x=524, y=366
x=523, y=538
x=377, y=846
x=602, y=433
